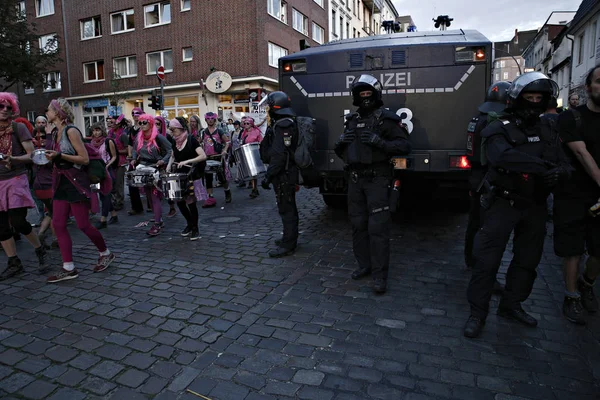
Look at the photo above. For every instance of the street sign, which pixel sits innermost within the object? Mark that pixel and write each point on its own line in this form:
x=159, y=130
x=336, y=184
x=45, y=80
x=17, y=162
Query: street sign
x=218, y=82
x=160, y=73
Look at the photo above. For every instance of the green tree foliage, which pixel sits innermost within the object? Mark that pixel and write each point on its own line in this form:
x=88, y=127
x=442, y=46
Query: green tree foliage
x=21, y=59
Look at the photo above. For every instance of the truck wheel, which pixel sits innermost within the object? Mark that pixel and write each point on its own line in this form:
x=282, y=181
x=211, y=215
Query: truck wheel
x=338, y=201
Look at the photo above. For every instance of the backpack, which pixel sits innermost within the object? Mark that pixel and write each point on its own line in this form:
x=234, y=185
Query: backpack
x=96, y=168
x=304, y=130
x=265, y=146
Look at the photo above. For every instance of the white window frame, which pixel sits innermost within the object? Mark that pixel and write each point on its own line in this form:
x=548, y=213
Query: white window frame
x=86, y=78
x=282, y=17
x=505, y=76
x=161, y=21
x=320, y=3
x=183, y=5
x=22, y=9
x=318, y=28
x=44, y=39
x=581, y=49
x=28, y=89
x=127, y=63
x=162, y=61
x=38, y=6
x=123, y=15
x=497, y=77
x=58, y=87
x=82, y=24
x=502, y=63
x=31, y=115
x=183, y=57
x=271, y=48
x=297, y=14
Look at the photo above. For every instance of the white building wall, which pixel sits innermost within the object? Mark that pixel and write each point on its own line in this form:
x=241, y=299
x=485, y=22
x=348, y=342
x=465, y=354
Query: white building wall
x=586, y=54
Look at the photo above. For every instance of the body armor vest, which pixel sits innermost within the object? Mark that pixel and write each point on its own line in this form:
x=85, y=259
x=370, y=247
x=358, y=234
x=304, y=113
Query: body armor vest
x=358, y=153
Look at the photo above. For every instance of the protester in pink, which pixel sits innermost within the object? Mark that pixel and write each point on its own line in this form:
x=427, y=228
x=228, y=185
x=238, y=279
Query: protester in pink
x=152, y=149
x=16, y=147
x=117, y=131
x=251, y=134
x=215, y=143
x=72, y=190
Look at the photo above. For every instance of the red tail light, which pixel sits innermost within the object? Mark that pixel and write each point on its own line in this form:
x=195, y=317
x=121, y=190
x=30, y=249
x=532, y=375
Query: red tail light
x=461, y=162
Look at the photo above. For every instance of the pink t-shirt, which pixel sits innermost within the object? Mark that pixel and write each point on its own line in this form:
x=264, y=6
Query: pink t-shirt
x=252, y=136
x=207, y=141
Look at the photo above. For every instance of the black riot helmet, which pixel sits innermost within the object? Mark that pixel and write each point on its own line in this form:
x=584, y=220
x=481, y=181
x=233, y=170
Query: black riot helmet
x=496, y=98
x=531, y=82
x=364, y=83
x=280, y=105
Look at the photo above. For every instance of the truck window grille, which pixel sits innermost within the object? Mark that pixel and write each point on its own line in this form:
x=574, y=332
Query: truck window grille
x=398, y=57
x=356, y=60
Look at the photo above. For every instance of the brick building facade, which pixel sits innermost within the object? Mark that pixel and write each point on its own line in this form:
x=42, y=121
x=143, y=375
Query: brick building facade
x=113, y=47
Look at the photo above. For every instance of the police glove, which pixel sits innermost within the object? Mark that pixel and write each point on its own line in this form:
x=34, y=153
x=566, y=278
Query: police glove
x=372, y=139
x=347, y=137
x=265, y=184
x=553, y=176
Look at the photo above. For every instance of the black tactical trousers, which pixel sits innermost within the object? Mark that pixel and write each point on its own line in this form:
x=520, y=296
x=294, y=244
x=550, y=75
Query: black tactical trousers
x=472, y=227
x=286, y=205
x=529, y=226
x=369, y=211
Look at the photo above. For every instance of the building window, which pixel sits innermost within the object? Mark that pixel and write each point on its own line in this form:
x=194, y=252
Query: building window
x=347, y=30
x=52, y=82
x=157, y=14
x=275, y=52
x=22, y=10
x=91, y=28
x=156, y=59
x=188, y=55
x=505, y=75
x=354, y=7
x=319, y=2
x=593, y=37
x=49, y=43
x=299, y=21
x=28, y=89
x=122, y=21
x=502, y=64
x=125, y=67
x=186, y=5
x=44, y=7
x=353, y=32
x=93, y=72
x=318, y=33
x=341, y=27
x=91, y=116
x=277, y=9
x=31, y=115
x=581, y=48
x=182, y=106
x=333, y=19
x=496, y=77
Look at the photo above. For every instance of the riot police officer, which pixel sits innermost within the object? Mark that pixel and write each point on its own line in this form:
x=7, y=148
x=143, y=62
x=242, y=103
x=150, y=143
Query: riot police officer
x=277, y=149
x=372, y=135
x=525, y=162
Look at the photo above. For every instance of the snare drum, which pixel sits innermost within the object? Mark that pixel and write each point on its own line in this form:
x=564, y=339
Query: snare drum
x=249, y=163
x=39, y=157
x=95, y=187
x=142, y=176
x=175, y=186
x=213, y=166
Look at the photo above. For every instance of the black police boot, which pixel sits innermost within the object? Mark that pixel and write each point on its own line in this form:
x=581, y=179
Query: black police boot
x=14, y=268
x=518, y=314
x=360, y=273
x=379, y=286
x=573, y=310
x=588, y=298
x=473, y=327
x=281, y=252
x=40, y=252
x=228, y=196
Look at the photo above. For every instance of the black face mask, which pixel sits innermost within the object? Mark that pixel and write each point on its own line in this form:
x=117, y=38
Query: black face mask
x=529, y=112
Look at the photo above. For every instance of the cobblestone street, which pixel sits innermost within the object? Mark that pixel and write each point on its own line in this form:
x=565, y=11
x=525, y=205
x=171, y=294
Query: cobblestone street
x=220, y=318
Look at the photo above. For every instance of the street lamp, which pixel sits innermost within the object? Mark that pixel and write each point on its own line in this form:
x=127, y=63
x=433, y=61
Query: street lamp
x=513, y=57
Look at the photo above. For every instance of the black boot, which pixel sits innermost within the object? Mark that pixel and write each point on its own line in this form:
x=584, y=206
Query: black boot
x=473, y=327
x=518, y=314
x=14, y=268
x=360, y=273
x=281, y=252
x=588, y=298
x=228, y=196
x=40, y=252
x=379, y=286
x=573, y=310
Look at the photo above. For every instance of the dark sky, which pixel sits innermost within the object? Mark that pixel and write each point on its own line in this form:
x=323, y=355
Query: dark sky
x=497, y=20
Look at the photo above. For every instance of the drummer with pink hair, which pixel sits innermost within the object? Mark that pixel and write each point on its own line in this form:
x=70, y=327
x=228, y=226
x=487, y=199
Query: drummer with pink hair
x=251, y=134
x=149, y=149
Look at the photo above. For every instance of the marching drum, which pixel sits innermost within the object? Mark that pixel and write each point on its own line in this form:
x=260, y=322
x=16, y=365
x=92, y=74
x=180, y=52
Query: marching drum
x=175, y=186
x=213, y=166
x=249, y=162
x=142, y=176
x=95, y=187
x=39, y=157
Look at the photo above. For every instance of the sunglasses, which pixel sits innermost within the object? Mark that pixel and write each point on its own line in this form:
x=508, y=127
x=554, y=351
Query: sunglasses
x=246, y=123
x=4, y=106
x=143, y=123
x=136, y=113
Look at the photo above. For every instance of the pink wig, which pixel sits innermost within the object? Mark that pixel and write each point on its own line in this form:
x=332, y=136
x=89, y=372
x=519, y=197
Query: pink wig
x=153, y=133
x=163, y=125
x=26, y=123
x=11, y=99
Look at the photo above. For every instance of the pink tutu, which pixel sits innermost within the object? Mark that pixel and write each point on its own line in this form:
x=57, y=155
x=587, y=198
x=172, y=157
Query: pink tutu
x=15, y=193
x=200, y=190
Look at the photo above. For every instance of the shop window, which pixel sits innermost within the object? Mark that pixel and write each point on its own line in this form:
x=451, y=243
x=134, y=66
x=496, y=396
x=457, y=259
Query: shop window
x=91, y=116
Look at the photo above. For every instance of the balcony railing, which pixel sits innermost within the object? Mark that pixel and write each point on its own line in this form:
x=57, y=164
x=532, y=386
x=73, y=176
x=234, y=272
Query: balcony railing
x=375, y=5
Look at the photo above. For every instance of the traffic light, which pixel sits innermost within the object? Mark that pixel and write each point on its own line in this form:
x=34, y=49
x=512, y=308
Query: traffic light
x=159, y=102
x=154, y=101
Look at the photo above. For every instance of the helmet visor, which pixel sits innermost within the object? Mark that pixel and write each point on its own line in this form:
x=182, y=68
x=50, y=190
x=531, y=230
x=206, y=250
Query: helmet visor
x=367, y=80
x=533, y=82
